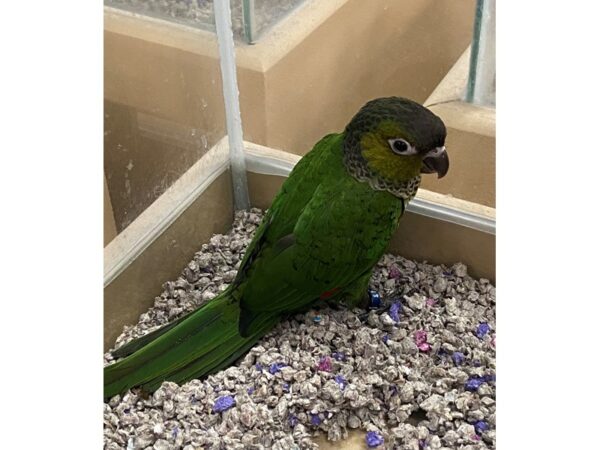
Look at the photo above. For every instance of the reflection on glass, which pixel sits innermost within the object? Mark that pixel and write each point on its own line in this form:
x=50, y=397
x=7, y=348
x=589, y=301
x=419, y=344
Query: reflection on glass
x=144, y=154
x=251, y=18
x=198, y=13
x=163, y=110
x=259, y=15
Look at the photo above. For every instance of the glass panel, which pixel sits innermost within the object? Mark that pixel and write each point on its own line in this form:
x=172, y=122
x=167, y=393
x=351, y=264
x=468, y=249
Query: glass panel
x=250, y=18
x=197, y=13
x=260, y=15
x=163, y=110
x=481, y=88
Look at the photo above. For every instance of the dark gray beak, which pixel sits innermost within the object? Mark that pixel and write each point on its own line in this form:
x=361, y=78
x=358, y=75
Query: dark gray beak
x=437, y=162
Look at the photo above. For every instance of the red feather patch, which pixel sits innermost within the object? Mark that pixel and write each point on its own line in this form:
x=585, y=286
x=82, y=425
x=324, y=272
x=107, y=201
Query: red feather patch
x=327, y=294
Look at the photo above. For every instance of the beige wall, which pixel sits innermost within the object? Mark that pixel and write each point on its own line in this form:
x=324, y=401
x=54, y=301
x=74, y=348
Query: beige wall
x=471, y=140
x=163, y=100
x=365, y=50
x=472, y=174
x=110, y=229
x=163, y=110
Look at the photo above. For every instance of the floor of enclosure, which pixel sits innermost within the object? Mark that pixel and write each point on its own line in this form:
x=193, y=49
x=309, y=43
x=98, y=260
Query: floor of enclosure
x=422, y=372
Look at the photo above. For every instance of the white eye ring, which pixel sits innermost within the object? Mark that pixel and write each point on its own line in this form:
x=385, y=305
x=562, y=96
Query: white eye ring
x=402, y=147
x=436, y=151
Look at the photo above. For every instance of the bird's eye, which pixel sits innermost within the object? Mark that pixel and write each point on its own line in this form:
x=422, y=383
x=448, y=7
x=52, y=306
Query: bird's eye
x=401, y=147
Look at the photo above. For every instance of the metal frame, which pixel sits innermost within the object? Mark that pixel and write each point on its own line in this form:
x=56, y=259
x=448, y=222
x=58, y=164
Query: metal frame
x=231, y=96
x=482, y=71
x=248, y=19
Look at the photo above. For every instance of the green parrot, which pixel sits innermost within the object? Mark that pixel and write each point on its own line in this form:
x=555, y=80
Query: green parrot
x=327, y=227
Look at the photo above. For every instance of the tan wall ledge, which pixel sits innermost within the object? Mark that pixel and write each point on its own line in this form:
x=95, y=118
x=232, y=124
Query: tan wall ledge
x=471, y=140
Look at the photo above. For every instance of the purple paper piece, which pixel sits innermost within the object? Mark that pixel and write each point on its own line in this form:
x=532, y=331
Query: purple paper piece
x=458, y=358
x=476, y=437
x=394, y=272
x=395, y=311
x=421, y=341
x=223, y=403
x=424, y=347
x=490, y=378
x=286, y=387
x=338, y=356
x=250, y=390
x=276, y=367
x=374, y=439
x=422, y=443
x=420, y=337
x=481, y=426
x=430, y=302
x=473, y=383
x=175, y=432
x=315, y=419
x=293, y=421
x=339, y=379
x=386, y=338
x=325, y=364
x=482, y=330
x=258, y=367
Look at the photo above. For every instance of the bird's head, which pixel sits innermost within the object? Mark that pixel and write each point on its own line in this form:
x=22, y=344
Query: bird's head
x=391, y=141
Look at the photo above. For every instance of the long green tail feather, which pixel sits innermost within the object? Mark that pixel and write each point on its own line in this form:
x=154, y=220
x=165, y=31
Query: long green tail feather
x=203, y=342
x=218, y=358
x=136, y=344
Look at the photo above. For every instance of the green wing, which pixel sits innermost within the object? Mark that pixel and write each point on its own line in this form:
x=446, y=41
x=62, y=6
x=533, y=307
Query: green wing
x=293, y=196
x=331, y=238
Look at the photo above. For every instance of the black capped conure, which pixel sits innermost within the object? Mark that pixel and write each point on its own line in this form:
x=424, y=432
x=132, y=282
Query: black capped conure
x=328, y=226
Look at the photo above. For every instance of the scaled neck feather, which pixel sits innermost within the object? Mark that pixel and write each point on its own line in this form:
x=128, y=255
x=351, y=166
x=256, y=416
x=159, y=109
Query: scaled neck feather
x=357, y=167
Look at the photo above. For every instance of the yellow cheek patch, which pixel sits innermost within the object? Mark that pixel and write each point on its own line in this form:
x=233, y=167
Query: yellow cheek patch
x=382, y=160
